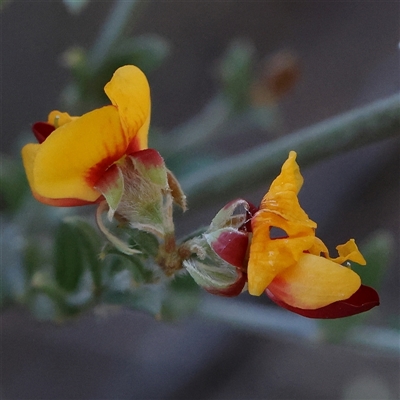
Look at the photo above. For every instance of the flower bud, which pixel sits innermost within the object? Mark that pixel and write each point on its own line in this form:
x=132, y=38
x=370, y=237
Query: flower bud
x=220, y=254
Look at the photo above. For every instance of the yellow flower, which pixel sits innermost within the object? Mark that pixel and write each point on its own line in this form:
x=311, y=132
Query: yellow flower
x=64, y=169
x=296, y=268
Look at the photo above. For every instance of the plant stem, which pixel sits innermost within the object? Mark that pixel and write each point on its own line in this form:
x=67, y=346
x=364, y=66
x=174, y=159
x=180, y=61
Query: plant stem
x=233, y=177
x=111, y=32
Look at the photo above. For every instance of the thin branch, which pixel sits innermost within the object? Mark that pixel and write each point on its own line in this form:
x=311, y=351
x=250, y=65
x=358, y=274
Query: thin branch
x=111, y=31
x=233, y=177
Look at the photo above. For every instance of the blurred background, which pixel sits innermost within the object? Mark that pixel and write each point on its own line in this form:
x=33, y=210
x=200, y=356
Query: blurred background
x=348, y=56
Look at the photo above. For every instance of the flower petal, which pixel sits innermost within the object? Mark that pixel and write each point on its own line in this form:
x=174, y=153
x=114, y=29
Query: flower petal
x=269, y=257
x=72, y=159
x=42, y=130
x=29, y=153
x=362, y=300
x=349, y=251
x=229, y=244
x=314, y=282
x=129, y=91
x=281, y=197
x=58, y=118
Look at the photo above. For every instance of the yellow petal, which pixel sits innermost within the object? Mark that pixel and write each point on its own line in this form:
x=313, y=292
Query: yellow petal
x=269, y=257
x=29, y=153
x=319, y=248
x=58, y=118
x=290, y=178
x=71, y=160
x=129, y=91
x=282, y=195
x=314, y=282
x=349, y=251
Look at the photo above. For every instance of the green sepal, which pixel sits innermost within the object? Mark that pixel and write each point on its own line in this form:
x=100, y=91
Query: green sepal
x=209, y=270
x=150, y=166
x=232, y=215
x=111, y=185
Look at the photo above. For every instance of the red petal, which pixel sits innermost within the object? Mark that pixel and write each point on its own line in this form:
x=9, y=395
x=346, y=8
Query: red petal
x=362, y=300
x=231, y=246
x=233, y=290
x=42, y=130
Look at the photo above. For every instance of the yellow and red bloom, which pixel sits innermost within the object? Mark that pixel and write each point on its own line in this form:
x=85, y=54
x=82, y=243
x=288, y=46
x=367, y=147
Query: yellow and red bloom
x=74, y=153
x=296, y=270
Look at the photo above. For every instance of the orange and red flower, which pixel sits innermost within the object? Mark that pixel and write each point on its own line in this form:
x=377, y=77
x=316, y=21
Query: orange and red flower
x=293, y=269
x=296, y=270
x=74, y=153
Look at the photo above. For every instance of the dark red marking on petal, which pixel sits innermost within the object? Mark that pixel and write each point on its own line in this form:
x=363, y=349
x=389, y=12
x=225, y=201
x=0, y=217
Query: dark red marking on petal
x=362, y=300
x=233, y=290
x=231, y=246
x=42, y=130
x=67, y=202
x=133, y=146
x=95, y=173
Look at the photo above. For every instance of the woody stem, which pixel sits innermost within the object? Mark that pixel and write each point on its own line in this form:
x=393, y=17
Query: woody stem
x=221, y=180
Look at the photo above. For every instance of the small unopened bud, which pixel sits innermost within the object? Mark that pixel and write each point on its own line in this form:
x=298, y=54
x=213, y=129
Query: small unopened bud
x=220, y=254
x=212, y=273
x=280, y=74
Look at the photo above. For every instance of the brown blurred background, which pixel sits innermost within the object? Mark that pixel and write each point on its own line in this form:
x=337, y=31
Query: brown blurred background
x=350, y=57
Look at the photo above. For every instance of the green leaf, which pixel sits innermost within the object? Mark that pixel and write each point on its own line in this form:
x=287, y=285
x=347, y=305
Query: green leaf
x=76, y=247
x=146, y=298
x=182, y=298
x=117, y=262
x=33, y=257
x=91, y=245
x=68, y=258
x=48, y=302
x=12, y=276
x=13, y=183
x=144, y=241
x=236, y=72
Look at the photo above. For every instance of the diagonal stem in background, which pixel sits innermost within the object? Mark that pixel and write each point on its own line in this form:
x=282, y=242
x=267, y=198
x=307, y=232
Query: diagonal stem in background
x=236, y=175
x=111, y=32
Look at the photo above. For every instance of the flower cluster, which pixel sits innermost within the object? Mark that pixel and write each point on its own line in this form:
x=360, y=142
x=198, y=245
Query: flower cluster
x=102, y=157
